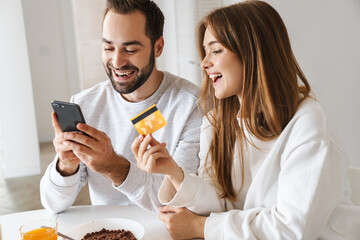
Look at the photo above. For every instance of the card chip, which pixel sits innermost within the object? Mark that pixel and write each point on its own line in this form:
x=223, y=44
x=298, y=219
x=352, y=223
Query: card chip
x=149, y=121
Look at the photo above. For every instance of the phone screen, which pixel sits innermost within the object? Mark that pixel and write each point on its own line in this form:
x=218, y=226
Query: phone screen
x=68, y=115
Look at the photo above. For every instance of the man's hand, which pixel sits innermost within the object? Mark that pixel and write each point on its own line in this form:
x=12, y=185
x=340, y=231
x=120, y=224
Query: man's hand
x=96, y=152
x=182, y=223
x=68, y=162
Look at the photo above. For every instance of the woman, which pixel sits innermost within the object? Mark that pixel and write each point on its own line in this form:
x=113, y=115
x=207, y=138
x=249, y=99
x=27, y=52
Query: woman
x=270, y=168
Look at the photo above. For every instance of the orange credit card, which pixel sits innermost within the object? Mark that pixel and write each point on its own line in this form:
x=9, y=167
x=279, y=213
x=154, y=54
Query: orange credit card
x=149, y=121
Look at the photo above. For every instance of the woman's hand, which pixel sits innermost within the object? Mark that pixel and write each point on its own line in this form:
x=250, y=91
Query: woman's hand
x=153, y=157
x=182, y=223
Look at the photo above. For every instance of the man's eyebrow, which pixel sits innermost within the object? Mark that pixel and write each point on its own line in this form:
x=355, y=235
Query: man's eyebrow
x=132, y=43
x=135, y=42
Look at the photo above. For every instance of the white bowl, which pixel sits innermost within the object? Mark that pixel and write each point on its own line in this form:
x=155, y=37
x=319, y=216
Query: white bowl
x=79, y=231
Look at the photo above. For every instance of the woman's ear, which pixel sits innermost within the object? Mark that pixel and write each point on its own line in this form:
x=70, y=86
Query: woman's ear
x=159, y=46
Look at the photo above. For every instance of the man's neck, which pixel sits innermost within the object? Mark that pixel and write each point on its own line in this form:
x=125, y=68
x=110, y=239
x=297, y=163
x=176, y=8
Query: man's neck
x=147, y=89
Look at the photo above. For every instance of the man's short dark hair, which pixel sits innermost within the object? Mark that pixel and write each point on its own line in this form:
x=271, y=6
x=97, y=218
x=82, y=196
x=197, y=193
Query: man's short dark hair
x=154, y=17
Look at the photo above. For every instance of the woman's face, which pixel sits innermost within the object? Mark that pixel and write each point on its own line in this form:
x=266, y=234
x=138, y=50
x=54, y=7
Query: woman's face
x=223, y=67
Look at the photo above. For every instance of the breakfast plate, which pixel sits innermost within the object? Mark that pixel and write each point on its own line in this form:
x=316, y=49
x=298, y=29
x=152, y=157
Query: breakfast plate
x=79, y=231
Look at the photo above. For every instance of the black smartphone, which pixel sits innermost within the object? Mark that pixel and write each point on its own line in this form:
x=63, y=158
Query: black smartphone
x=68, y=115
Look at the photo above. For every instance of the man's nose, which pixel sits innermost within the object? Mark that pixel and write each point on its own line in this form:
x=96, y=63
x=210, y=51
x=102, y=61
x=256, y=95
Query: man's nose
x=118, y=60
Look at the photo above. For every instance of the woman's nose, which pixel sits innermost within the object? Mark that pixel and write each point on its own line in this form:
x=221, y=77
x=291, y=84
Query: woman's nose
x=205, y=63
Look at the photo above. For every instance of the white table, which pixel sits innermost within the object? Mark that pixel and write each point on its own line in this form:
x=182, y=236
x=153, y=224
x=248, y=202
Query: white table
x=154, y=228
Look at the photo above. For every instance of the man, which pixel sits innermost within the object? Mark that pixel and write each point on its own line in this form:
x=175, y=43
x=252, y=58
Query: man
x=132, y=39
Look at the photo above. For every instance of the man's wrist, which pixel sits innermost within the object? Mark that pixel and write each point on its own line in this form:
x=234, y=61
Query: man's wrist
x=120, y=172
x=64, y=170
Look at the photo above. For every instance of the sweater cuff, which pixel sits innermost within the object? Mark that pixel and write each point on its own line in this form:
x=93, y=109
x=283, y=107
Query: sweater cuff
x=184, y=195
x=133, y=189
x=213, y=226
x=61, y=181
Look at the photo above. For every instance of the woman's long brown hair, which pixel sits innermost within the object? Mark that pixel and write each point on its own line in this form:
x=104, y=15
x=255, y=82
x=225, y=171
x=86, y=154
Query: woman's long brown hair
x=272, y=88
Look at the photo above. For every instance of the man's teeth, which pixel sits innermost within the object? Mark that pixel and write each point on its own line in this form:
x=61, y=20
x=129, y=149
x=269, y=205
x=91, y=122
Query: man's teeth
x=215, y=76
x=123, y=74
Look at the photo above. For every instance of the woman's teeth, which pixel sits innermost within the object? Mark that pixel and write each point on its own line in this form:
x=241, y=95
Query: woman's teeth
x=214, y=77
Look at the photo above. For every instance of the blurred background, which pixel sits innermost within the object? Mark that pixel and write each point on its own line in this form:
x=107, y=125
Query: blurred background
x=51, y=49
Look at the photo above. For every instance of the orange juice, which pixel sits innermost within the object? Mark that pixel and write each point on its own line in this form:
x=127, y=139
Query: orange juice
x=43, y=229
x=40, y=234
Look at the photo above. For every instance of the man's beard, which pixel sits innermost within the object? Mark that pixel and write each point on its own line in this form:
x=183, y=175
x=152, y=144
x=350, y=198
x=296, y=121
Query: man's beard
x=140, y=78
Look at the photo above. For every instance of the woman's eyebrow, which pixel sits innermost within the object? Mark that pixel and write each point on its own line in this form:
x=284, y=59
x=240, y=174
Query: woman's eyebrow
x=106, y=41
x=211, y=43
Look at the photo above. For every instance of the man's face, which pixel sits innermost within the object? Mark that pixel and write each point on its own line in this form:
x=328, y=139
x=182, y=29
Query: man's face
x=127, y=53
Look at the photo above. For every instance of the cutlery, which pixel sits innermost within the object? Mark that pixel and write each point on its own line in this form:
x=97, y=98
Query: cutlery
x=61, y=234
x=65, y=236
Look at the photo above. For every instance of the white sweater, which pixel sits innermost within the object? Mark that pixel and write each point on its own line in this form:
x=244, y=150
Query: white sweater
x=295, y=187
x=106, y=110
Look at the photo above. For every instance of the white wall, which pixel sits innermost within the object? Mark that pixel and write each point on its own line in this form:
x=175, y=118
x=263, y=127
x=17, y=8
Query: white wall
x=325, y=37
x=180, y=54
x=52, y=51
x=20, y=147
x=170, y=51
x=88, y=15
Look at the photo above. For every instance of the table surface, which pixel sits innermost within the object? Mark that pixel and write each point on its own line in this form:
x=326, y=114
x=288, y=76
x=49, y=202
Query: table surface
x=154, y=228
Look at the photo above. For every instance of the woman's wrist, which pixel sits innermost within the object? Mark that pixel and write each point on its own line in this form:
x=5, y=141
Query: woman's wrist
x=200, y=226
x=176, y=177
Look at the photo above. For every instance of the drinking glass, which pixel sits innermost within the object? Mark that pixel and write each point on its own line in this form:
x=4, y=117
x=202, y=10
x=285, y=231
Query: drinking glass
x=45, y=229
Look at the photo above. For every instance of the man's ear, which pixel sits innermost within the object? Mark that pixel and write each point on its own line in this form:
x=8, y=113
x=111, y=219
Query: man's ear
x=159, y=46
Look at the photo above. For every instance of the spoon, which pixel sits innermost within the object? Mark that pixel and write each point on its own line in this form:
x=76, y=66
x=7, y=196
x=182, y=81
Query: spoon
x=60, y=234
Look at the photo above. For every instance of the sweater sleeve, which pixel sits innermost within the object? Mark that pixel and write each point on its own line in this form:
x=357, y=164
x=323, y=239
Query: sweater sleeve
x=58, y=193
x=193, y=188
x=142, y=187
x=310, y=186
x=198, y=195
